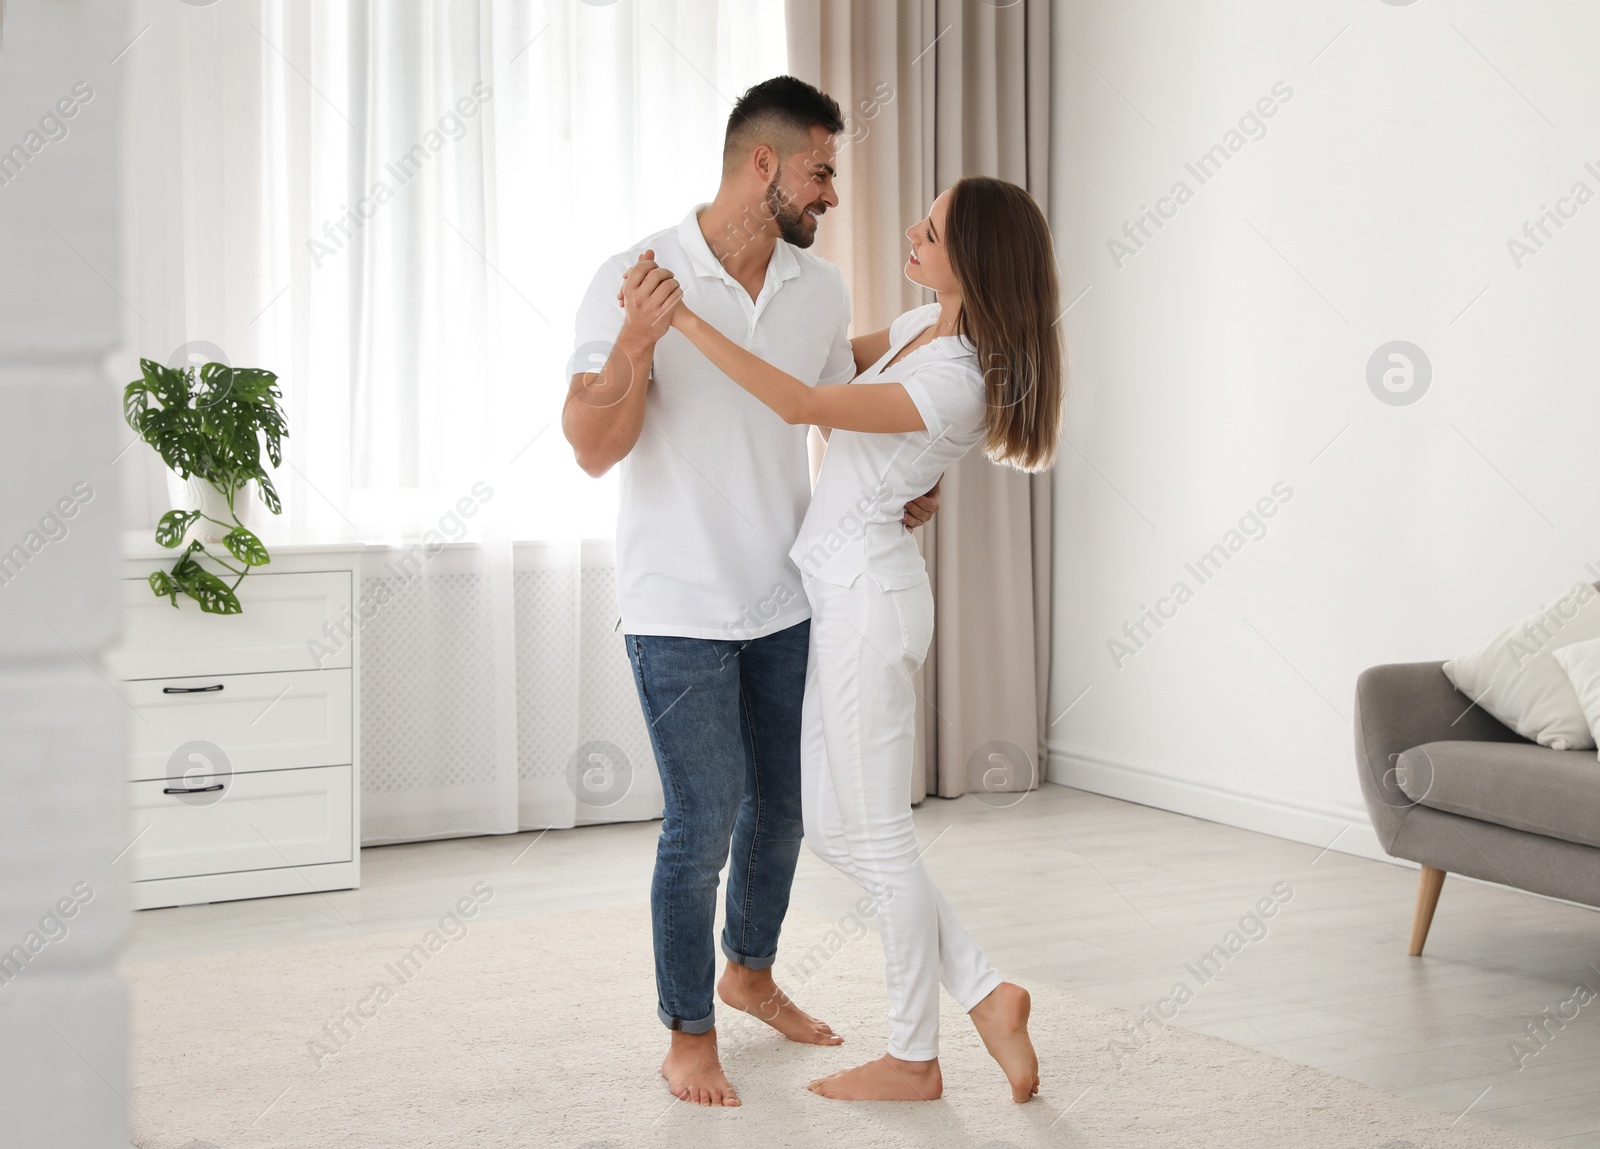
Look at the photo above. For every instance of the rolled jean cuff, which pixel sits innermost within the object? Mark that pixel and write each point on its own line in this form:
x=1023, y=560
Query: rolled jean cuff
x=745, y=960
x=701, y=1026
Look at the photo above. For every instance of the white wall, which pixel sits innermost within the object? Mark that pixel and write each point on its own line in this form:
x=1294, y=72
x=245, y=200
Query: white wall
x=1228, y=351
x=63, y=828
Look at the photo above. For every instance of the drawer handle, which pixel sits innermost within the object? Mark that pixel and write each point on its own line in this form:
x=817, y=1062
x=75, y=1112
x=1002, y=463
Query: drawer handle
x=191, y=689
x=190, y=789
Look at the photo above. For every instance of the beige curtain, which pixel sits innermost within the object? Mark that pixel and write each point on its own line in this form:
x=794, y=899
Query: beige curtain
x=934, y=90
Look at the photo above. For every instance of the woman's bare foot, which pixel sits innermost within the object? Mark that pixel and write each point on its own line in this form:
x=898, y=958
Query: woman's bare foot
x=886, y=1079
x=1002, y=1021
x=754, y=992
x=694, y=1072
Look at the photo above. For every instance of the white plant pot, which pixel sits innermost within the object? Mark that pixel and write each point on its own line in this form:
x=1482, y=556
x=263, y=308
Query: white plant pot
x=195, y=494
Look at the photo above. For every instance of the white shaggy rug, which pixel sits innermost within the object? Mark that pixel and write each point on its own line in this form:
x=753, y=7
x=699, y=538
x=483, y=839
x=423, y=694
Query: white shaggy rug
x=541, y=1032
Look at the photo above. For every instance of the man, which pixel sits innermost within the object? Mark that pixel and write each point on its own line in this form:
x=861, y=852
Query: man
x=714, y=487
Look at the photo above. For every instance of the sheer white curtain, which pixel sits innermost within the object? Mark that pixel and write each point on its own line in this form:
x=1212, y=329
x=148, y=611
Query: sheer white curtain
x=397, y=208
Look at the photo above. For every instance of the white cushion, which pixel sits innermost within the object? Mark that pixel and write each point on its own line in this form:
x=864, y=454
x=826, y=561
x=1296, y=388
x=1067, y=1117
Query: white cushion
x=1581, y=661
x=1515, y=677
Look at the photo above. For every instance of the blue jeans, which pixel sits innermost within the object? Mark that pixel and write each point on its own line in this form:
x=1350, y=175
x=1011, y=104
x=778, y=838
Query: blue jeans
x=724, y=718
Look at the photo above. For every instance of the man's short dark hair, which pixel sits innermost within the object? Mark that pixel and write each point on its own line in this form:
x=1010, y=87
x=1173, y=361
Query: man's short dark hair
x=779, y=112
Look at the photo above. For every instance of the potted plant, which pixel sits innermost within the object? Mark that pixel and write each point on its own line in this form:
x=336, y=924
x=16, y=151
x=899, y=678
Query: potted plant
x=209, y=424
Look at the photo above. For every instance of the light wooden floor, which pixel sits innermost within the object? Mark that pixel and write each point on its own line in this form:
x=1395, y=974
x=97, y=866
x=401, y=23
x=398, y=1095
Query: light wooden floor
x=1108, y=900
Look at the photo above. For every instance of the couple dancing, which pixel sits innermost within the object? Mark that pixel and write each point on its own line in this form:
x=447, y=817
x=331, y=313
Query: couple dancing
x=774, y=630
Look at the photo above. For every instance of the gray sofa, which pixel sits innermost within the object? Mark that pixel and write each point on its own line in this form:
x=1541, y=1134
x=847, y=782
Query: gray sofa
x=1450, y=787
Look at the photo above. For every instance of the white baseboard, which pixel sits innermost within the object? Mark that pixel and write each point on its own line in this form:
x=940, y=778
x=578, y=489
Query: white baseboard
x=1347, y=828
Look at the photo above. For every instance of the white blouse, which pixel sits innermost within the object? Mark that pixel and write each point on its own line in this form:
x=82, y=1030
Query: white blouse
x=853, y=522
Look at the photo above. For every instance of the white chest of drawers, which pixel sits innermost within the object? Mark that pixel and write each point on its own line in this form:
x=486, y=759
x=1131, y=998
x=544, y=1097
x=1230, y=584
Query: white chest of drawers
x=244, y=763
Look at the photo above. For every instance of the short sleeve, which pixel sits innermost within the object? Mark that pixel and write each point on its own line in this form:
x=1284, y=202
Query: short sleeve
x=599, y=320
x=948, y=395
x=841, y=365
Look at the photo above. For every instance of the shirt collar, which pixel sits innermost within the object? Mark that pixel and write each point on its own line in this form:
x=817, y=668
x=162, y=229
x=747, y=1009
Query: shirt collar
x=783, y=262
x=944, y=346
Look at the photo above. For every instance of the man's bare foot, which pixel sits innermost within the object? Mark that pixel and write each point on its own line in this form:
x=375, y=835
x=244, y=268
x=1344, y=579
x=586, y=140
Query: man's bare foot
x=886, y=1079
x=1002, y=1021
x=694, y=1072
x=754, y=992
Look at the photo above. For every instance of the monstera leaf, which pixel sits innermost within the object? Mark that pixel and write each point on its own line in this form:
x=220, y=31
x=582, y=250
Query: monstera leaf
x=212, y=594
x=170, y=530
x=245, y=547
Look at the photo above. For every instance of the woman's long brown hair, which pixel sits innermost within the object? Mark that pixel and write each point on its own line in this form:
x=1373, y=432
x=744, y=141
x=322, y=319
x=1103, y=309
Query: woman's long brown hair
x=1001, y=254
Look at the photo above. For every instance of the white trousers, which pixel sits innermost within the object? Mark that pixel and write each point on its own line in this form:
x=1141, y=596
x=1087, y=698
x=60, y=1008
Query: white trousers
x=856, y=756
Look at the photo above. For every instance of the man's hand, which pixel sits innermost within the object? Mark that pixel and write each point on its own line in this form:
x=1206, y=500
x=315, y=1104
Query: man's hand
x=603, y=415
x=648, y=296
x=920, y=510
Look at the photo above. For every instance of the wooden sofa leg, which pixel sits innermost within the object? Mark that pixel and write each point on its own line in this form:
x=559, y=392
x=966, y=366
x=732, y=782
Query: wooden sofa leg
x=1428, y=887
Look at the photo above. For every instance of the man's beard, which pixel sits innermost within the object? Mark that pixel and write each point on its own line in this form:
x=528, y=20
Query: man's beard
x=791, y=221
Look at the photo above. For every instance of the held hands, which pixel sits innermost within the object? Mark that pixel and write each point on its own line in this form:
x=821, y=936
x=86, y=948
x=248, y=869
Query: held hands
x=649, y=296
x=652, y=298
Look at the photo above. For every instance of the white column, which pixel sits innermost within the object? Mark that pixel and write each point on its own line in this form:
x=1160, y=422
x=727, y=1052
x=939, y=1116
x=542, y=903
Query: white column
x=63, y=910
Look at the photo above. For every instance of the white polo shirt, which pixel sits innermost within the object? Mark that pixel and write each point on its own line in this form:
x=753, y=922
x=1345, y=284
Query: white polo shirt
x=853, y=524
x=715, y=489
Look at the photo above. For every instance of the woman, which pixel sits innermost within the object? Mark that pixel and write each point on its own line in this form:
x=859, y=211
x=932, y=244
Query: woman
x=920, y=406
